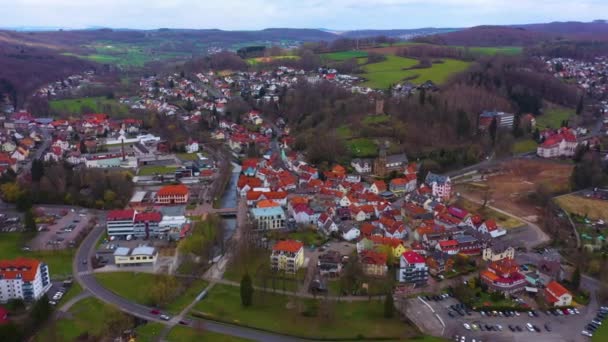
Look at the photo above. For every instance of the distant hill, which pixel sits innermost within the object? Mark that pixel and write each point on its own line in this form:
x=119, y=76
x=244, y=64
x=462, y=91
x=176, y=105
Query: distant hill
x=396, y=33
x=521, y=35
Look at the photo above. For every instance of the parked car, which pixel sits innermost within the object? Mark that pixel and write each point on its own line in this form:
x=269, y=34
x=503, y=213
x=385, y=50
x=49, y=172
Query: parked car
x=164, y=317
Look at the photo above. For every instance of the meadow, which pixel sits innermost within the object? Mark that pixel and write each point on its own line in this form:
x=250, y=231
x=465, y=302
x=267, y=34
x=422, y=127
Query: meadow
x=391, y=71
x=553, y=116
x=86, y=105
x=258, y=60
x=344, y=55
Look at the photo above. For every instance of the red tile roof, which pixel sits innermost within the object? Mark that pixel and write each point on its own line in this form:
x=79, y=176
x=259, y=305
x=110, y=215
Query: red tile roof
x=150, y=216
x=373, y=258
x=27, y=268
x=413, y=258
x=554, y=290
x=288, y=246
x=173, y=190
x=120, y=215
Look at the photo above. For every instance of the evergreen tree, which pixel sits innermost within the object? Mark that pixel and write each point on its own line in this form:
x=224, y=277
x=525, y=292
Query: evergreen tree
x=493, y=128
x=246, y=290
x=463, y=125
x=29, y=221
x=580, y=106
x=536, y=135
x=422, y=96
x=37, y=170
x=389, y=306
x=517, y=132
x=576, y=279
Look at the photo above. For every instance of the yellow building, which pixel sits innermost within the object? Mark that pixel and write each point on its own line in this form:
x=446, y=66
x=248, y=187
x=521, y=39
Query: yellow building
x=138, y=256
x=288, y=256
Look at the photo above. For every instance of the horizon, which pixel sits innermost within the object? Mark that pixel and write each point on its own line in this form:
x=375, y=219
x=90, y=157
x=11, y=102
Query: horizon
x=331, y=15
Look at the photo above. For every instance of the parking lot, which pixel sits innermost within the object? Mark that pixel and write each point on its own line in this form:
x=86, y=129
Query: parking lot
x=504, y=326
x=68, y=224
x=10, y=223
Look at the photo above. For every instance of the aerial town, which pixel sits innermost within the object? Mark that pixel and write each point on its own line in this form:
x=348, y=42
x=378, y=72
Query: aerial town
x=301, y=189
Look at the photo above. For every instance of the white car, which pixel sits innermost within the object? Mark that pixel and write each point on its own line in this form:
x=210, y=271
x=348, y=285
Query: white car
x=586, y=333
x=530, y=327
x=517, y=313
x=466, y=326
x=164, y=317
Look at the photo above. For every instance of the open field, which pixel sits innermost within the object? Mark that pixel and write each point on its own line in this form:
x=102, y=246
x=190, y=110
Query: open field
x=476, y=50
x=127, y=54
x=151, y=170
x=60, y=261
x=344, y=55
x=376, y=119
x=601, y=334
x=524, y=146
x=187, y=156
x=516, y=181
x=186, y=334
x=149, y=332
x=88, y=316
x=362, y=147
x=553, y=117
x=86, y=105
x=136, y=287
x=258, y=60
x=592, y=208
x=383, y=74
x=306, y=318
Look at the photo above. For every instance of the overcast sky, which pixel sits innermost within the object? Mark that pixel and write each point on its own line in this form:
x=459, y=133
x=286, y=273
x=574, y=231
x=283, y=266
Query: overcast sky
x=258, y=14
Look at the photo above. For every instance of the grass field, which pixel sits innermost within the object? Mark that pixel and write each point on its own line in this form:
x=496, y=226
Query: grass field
x=149, y=332
x=344, y=132
x=74, y=291
x=362, y=147
x=87, y=316
x=308, y=237
x=592, y=208
x=306, y=318
x=601, y=334
x=376, y=119
x=186, y=334
x=383, y=74
x=344, y=55
x=60, y=262
x=553, y=117
x=127, y=54
x=136, y=287
x=150, y=170
x=89, y=105
x=187, y=156
x=258, y=60
x=523, y=146
x=506, y=50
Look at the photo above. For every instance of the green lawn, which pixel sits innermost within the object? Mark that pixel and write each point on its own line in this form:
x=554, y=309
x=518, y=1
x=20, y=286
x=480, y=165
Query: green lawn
x=506, y=50
x=149, y=332
x=488, y=213
x=523, y=146
x=344, y=132
x=186, y=334
x=187, y=156
x=439, y=73
x=87, y=316
x=89, y=105
x=150, y=170
x=258, y=60
x=256, y=260
x=553, y=117
x=344, y=55
x=601, y=334
x=136, y=287
x=376, y=119
x=302, y=317
x=308, y=237
x=60, y=261
x=362, y=147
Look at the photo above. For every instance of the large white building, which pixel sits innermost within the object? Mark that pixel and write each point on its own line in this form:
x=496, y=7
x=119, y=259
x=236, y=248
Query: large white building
x=269, y=218
x=412, y=269
x=26, y=279
x=562, y=144
x=144, y=224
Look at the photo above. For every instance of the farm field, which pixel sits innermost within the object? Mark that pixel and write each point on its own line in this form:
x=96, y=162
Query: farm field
x=86, y=105
x=553, y=117
x=59, y=262
x=257, y=60
x=349, y=320
x=592, y=208
x=136, y=287
x=127, y=55
x=383, y=74
x=344, y=55
x=511, y=187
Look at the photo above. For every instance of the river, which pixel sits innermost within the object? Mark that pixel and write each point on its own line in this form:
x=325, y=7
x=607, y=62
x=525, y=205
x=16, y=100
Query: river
x=229, y=200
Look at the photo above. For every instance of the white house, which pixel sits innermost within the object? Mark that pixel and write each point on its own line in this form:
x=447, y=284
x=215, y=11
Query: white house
x=22, y=278
x=562, y=144
x=192, y=147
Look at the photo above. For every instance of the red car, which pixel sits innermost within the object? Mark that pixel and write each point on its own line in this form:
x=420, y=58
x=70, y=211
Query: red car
x=154, y=312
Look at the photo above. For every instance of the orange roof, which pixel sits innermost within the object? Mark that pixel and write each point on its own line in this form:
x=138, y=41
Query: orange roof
x=373, y=257
x=267, y=204
x=27, y=268
x=399, y=181
x=556, y=290
x=381, y=240
x=380, y=185
x=488, y=275
x=173, y=190
x=288, y=246
x=253, y=182
x=298, y=200
x=339, y=169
